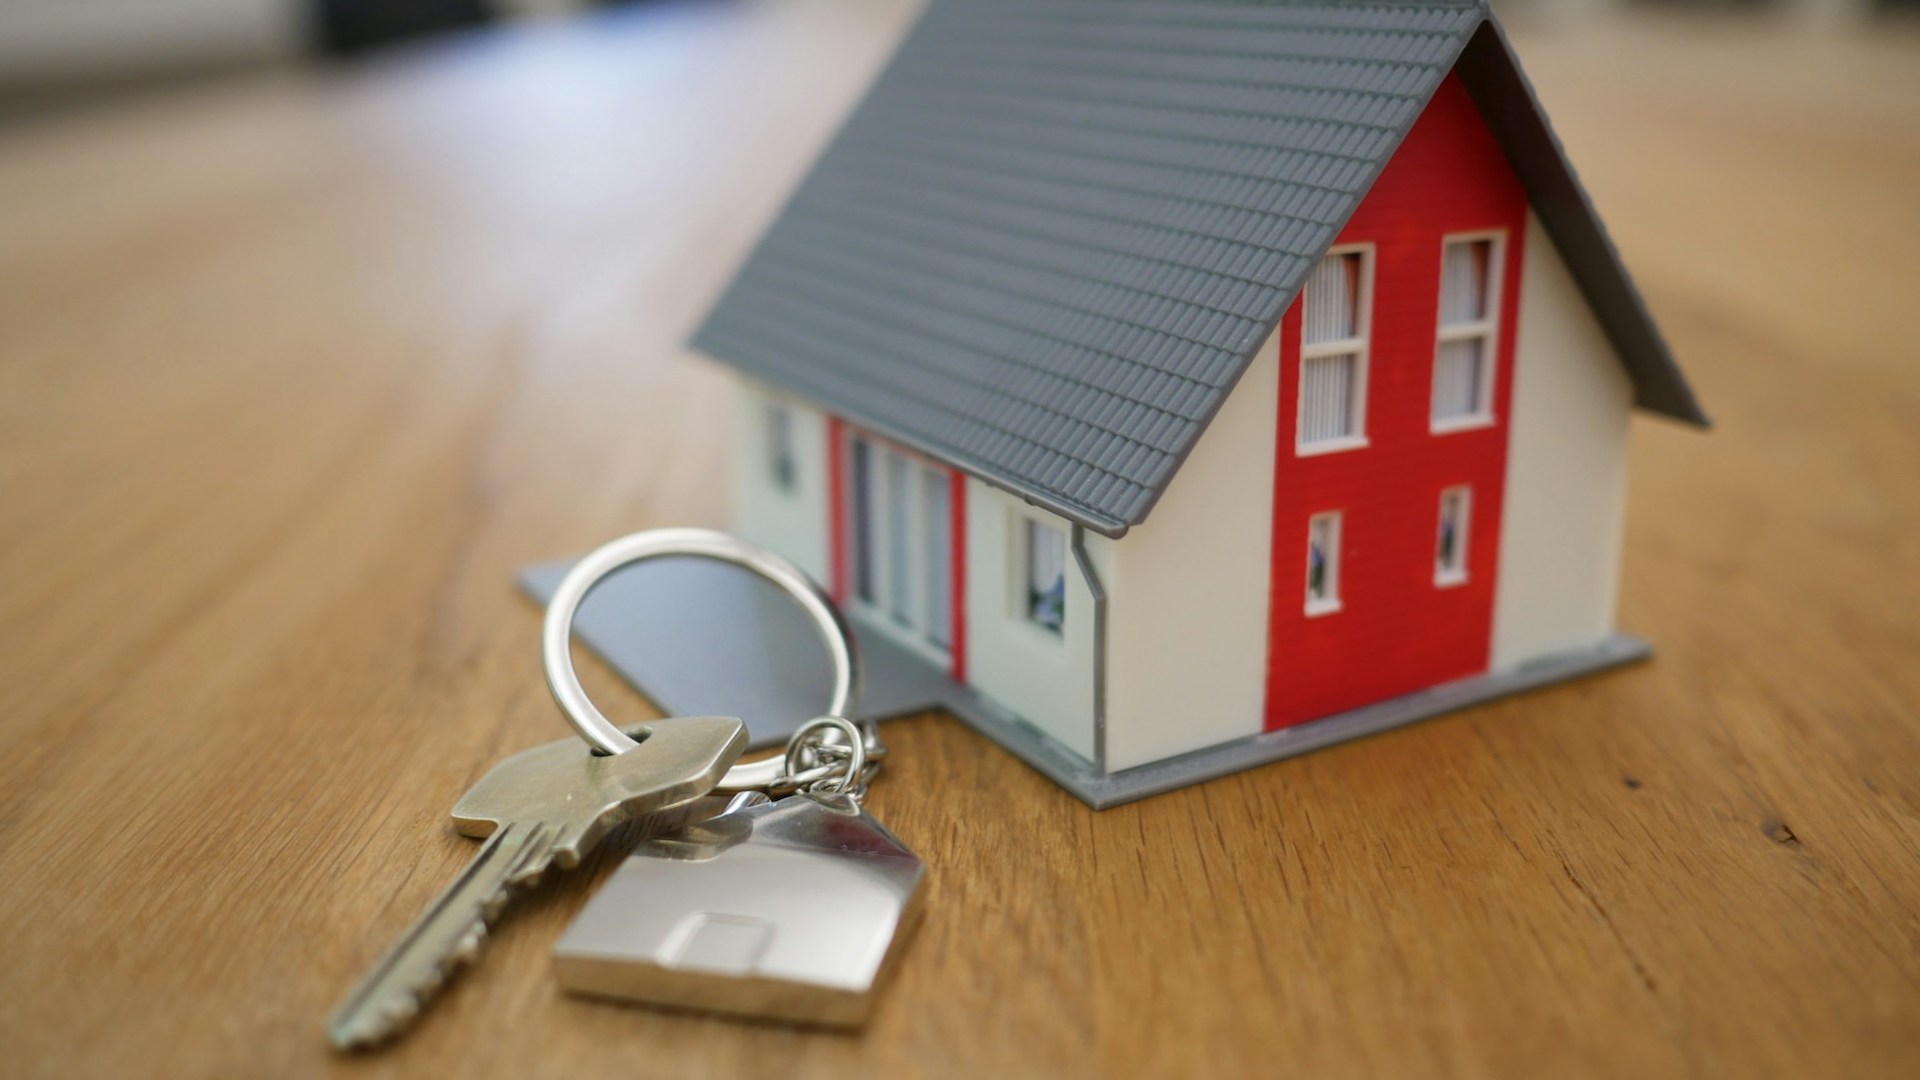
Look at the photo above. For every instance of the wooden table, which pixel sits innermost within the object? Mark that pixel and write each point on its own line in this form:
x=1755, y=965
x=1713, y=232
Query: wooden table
x=294, y=372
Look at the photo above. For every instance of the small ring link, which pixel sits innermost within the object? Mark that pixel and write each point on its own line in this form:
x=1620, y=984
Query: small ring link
x=846, y=766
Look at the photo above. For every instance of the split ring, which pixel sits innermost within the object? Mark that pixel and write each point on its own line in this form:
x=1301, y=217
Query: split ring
x=557, y=633
x=844, y=778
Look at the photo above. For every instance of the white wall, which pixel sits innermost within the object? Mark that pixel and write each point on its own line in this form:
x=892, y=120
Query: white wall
x=1566, y=470
x=1045, y=679
x=1187, y=615
x=793, y=523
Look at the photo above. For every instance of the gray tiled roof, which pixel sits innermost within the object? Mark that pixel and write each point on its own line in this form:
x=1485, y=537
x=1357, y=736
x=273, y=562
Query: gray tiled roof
x=1055, y=233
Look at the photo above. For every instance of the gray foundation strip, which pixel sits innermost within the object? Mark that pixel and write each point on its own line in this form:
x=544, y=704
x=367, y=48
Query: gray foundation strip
x=703, y=639
x=1127, y=785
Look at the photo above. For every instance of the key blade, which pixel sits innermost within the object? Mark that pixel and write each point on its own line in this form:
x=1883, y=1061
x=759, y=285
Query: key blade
x=446, y=937
x=538, y=808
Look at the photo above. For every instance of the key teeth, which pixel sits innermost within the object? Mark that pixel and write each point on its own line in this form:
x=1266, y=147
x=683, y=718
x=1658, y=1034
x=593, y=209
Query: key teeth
x=398, y=1012
x=397, y=1005
x=468, y=950
x=462, y=956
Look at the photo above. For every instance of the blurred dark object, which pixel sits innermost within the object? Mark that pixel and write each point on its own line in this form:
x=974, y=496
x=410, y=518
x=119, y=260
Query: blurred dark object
x=353, y=27
x=1719, y=5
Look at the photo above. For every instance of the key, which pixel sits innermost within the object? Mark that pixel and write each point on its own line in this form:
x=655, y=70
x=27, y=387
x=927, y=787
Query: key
x=539, y=808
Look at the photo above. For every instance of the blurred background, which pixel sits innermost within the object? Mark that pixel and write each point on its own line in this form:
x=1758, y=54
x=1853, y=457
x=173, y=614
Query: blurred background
x=59, y=53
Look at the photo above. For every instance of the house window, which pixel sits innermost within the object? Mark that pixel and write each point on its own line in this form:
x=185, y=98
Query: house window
x=860, y=467
x=936, y=569
x=901, y=532
x=782, y=467
x=1044, y=553
x=898, y=527
x=1450, y=551
x=1323, y=563
x=1336, y=311
x=1463, y=356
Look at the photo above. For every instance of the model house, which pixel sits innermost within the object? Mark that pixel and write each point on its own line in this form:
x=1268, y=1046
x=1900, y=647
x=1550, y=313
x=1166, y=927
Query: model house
x=1193, y=383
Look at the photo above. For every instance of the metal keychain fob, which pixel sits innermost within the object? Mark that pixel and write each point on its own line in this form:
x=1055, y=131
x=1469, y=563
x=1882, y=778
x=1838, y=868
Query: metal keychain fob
x=788, y=910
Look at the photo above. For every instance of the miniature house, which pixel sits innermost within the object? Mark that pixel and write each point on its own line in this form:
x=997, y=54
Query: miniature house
x=1191, y=384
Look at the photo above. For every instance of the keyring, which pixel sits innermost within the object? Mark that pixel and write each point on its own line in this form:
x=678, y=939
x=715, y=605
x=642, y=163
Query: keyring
x=557, y=634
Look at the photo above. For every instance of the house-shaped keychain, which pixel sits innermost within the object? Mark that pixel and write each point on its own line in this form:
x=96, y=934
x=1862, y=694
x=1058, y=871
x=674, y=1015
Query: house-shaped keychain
x=790, y=910
x=1167, y=388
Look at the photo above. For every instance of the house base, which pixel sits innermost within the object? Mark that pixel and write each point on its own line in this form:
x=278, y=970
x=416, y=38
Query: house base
x=701, y=638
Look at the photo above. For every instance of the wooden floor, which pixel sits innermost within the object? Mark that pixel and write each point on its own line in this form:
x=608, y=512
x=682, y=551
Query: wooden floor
x=295, y=371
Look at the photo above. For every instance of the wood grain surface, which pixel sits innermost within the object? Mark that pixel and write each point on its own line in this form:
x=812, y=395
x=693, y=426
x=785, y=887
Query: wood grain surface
x=295, y=370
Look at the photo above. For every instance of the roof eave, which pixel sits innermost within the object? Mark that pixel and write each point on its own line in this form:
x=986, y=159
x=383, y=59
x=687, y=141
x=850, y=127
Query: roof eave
x=1105, y=525
x=1491, y=71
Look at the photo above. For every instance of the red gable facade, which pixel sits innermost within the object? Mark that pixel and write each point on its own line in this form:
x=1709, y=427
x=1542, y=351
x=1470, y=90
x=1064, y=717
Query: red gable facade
x=1368, y=600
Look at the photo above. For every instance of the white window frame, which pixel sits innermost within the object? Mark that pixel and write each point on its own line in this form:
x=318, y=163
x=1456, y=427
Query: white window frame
x=1020, y=571
x=1445, y=576
x=1361, y=348
x=1486, y=329
x=917, y=631
x=1331, y=602
x=777, y=420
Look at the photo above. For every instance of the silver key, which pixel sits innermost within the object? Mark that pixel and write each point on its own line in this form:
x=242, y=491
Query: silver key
x=545, y=806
